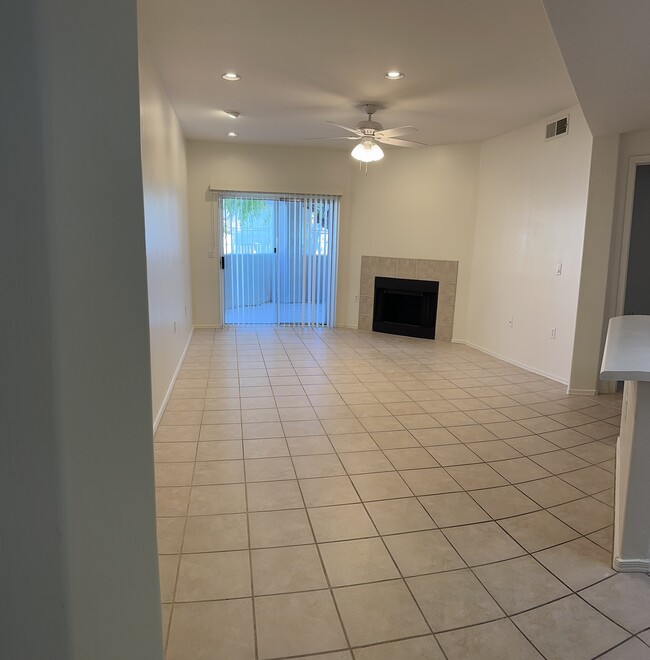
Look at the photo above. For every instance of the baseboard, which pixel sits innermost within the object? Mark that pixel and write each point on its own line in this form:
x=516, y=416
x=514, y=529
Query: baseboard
x=631, y=565
x=156, y=421
x=576, y=390
x=346, y=325
x=521, y=365
x=206, y=326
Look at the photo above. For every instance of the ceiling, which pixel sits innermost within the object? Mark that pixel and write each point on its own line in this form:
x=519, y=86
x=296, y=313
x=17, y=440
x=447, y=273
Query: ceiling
x=474, y=69
x=606, y=48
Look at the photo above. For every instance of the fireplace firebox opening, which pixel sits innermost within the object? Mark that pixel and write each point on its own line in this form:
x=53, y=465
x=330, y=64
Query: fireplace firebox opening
x=405, y=307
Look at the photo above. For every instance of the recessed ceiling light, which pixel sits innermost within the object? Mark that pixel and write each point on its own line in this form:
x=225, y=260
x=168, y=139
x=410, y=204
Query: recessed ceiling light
x=233, y=134
x=233, y=114
x=393, y=75
x=231, y=76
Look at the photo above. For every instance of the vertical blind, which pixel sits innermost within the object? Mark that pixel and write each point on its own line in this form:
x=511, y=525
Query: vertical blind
x=279, y=256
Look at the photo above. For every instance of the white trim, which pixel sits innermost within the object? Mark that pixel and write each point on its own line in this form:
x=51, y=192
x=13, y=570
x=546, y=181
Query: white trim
x=633, y=162
x=577, y=391
x=349, y=326
x=521, y=365
x=156, y=421
x=207, y=326
x=631, y=565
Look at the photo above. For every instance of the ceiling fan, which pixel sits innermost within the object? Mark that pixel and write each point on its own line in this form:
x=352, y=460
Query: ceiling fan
x=371, y=132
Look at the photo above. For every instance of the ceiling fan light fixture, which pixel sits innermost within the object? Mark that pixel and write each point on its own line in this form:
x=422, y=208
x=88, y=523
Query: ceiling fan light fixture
x=394, y=75
x=231, y=76
x=233, y=114
x=233, y=134
x=367, y=151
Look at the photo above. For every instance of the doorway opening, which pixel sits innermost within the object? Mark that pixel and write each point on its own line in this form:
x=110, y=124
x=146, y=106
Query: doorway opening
x=278, y=257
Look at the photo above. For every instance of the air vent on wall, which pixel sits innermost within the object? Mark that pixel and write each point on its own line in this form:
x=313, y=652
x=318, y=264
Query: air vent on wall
x=557, y=128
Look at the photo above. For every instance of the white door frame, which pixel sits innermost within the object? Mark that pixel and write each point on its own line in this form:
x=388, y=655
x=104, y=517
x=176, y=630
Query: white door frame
x=633, y=163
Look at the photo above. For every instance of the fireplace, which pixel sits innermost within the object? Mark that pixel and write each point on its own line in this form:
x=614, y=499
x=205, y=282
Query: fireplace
x=405, y=307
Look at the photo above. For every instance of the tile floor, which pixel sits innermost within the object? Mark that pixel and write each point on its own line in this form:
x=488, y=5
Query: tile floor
x=342, y=494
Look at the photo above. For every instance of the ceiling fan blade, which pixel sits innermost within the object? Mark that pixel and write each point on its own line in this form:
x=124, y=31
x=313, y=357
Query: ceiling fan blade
x=356, y=131
x=394, y=132
x=401, y=143
x=345, y=137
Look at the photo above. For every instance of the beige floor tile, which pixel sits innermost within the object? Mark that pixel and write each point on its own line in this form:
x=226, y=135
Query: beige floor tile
x=220, y=432
x=255, y=430
x=363, y=462
x=399, y=515
x=632, y=649
x=213, y=576
x=271, y=529
x=170, y=535
x=474, y=477
x=417, y=648
x=418, y=553
x=302, y=428
x=166, y=615
x=182, y=418
x=174, y=452
x=520, y=584
x=519, y=470
x=266, y=448
x=559, y=461
x=174, y=474
x=260, y=415
x=594, y=452
x=274, y=495
x=326, y=491
x=215, y=533
x=585, y=515
x=333, y=412
x=396, y=439
x=504, y=501
x=430, y=481
x=451, y=509
x=380, y=486
x=624, y=598
x=218, y=472
x=379, y=612
x=410, y=458
x=207, y=500
x=358, y=561
x=269, y=469
x=339, y=523
x=569, y=628
x=219, y=451
x=188, y=433
x=172, y=501
x=205, y=631
x=493, y=450
x=531, y=445
x=221, y=417
x=604, y=538
x=453, y=599
x=497, y=640
x=590, y=480
x=353, y=442
x=376, y=425
x=550, y=492
x=167, y=569
x=447, y=455
x=342, y=425
x=282, y=570
x=327, y=465
x=538, y=530
x=310, y=445
x=579, y=563
x=483, y=543
x=473, y=433
x=506, y=430
x=566, y=438
x=299, y=623
x=435, y=437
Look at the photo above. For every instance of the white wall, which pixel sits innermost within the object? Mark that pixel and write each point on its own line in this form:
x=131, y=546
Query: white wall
x=164, y=175
x=531, y=211
x=233, y=166
x=77, y=538
x=414, y=204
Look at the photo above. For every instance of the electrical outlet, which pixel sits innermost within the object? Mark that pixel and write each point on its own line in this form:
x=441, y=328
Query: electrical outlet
x=510, y=322
x=558, y=269
x=210, y=253
x=356, y=299
x=553, y=333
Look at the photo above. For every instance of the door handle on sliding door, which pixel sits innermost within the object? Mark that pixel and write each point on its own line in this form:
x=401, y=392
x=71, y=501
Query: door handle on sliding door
x=223, y=263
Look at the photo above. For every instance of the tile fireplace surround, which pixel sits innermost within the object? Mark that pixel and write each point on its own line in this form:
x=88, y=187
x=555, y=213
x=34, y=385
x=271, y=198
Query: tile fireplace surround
x=445, y=272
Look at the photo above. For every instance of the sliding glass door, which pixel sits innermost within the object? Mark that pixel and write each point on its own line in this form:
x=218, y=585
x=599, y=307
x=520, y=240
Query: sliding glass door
x=279, y=257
